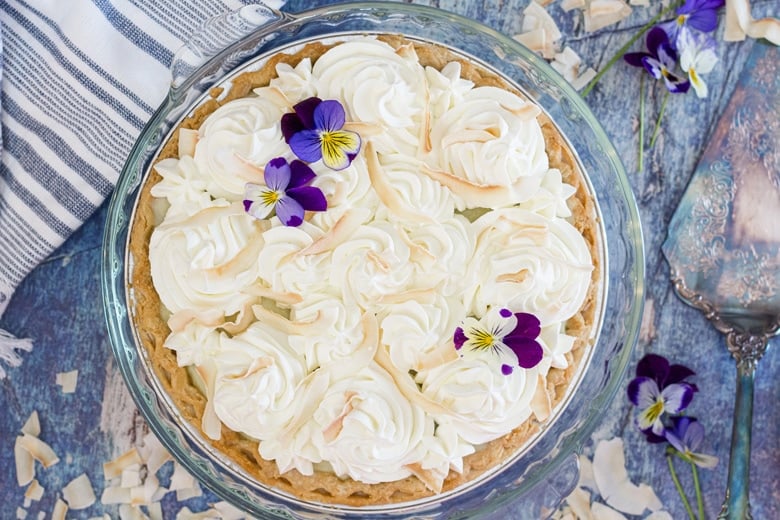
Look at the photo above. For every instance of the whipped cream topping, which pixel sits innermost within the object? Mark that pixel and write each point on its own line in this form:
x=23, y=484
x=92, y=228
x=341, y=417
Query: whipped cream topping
x=332, y=343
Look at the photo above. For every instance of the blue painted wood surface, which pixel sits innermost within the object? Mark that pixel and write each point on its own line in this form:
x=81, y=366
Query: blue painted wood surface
x=59, y=306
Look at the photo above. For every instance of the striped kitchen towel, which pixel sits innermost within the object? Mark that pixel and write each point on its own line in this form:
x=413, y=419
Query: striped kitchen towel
x=79, y=80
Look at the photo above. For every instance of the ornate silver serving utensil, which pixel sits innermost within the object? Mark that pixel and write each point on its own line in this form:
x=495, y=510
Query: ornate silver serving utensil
x=723, y=244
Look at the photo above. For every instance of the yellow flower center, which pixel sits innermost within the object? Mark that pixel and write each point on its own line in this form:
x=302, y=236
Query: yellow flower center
x=654, y=411
x=482, y=339
x=270, y=197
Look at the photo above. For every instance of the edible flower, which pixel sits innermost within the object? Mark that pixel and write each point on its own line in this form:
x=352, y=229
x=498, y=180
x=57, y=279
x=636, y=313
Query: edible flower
x=697, y=57
x=315, y=131
x=686, y=435
x=658, y=389
x=510, y=336
x=660, y=420
x=700, y=15
x=659, y=61
x=287, y=190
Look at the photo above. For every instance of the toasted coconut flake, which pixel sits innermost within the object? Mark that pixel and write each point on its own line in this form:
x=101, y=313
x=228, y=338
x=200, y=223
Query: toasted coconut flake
x=579, y=502
x=538, y=41
x=364, y=129
x=438, y=357
x=180, y=479
x=188, y=493
x=131, y=476
x=210, y=423
x=142, y=495
x=154, y=510
x=343, y=229
x=115, y=495
x=583, y=79
x=154, y=453
x=114, y=468
x=188, y=139
x=602, y=512
x=227, y=511
x=482, y=195
x=40, y=451
x=419, y=295
x=611, y=476
x=60, y=510
x=433, y=480
x=640, y=3
x=25, y=464
x=570, y=5
x=287, y=298
x=128, y=512
x=288, y=326
x=535, y=17
x=33, y=425
x=740, y=23
x=21, y=513
x=78, y=493
x=601, y=13
x=34, y=491
x=384, y=189
x=334, y=428
x=68, y=380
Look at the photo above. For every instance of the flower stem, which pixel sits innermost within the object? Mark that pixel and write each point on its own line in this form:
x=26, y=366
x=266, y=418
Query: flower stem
x=641, y=122
x=658, y=122
x=680, y=490
x=697, y=486
x=627, y=46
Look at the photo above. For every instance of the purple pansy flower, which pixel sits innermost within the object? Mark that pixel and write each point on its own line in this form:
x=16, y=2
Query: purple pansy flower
x=509, y=336
x=701, y=15
x=315, y=131
x=686, y=435
x=659, y=388
x=286, y=190
x=659, y=61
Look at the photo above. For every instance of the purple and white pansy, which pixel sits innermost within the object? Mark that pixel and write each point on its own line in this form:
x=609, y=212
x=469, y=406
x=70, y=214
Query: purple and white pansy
x=287, y=191
x=508, y=336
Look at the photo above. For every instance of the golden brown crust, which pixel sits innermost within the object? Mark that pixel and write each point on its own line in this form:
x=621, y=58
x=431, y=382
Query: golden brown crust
x=326, y=487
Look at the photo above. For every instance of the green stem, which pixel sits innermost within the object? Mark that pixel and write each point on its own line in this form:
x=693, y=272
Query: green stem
x=627, y=46
x=641, y=122
x=680, y=490
x=697, y=486
x=660, y=117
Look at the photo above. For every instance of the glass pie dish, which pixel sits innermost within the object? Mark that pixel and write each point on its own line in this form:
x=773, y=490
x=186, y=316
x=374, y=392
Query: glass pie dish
x=538, y=476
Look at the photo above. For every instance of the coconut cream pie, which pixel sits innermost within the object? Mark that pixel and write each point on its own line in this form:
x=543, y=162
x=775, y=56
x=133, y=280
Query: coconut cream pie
x=368, y=271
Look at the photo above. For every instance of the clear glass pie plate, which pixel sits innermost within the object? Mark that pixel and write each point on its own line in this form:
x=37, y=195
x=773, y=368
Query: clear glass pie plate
x=539, y=476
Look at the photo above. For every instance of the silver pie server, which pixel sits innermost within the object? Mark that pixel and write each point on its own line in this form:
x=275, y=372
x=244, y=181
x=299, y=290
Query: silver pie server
x=723, y=244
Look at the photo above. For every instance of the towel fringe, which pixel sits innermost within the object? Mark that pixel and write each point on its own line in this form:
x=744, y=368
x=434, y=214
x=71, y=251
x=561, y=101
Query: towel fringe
x=9, y=344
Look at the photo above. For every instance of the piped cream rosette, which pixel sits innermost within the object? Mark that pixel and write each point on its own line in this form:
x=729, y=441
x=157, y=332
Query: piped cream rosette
x=332, y=343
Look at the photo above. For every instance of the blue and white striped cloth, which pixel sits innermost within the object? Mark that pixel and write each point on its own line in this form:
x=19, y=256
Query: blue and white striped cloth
x=79, y=80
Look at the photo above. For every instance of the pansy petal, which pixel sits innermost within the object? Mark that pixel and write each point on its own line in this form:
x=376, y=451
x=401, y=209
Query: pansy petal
x=703, y=460
x=528, y=325
x=305, y=111
x=653, y=366
x=694, y=435
x=329, y=116
x=667, y=56
x=643, y=391
x=676, y=442
x=529, y=353
x=306, y=145
x=653, y=66
x=498, y=323
x=676, y=85
x=309, y=197
x=655, y=38
x=459, y=338
x=336, y=146
x=289, y=211
x=635, y=58
x=277, y=174
x=300, y=174
x=291, y=124
x=677, y=397
x=256, y=203
x=704, y=20
x=677, y=373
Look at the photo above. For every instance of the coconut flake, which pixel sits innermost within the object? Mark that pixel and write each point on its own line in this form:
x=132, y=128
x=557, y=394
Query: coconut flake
x=180, y=479
x=34, y=491
x=131, y=476
x=59, y=511
x=114, y=468
x=602, y=512
x=21, y=513
x=128, y=512
x=78, y=493
x=535, y=17
x=187, y=493
x=611, y=476
x=740, y=23
x=40, y=451
x=67, y=380
x=115, y=495
x=188, y=139
x=570, y=5
x=601, y=13
x=33, y=425
x=227, y=511
x=25, y=464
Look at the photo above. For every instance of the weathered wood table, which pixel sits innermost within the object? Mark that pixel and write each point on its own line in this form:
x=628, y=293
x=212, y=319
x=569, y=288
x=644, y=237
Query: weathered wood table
x=59, y=305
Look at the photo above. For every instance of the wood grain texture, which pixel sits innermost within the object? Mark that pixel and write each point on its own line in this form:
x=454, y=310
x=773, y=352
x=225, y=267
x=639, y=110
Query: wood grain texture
x=59, y=304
